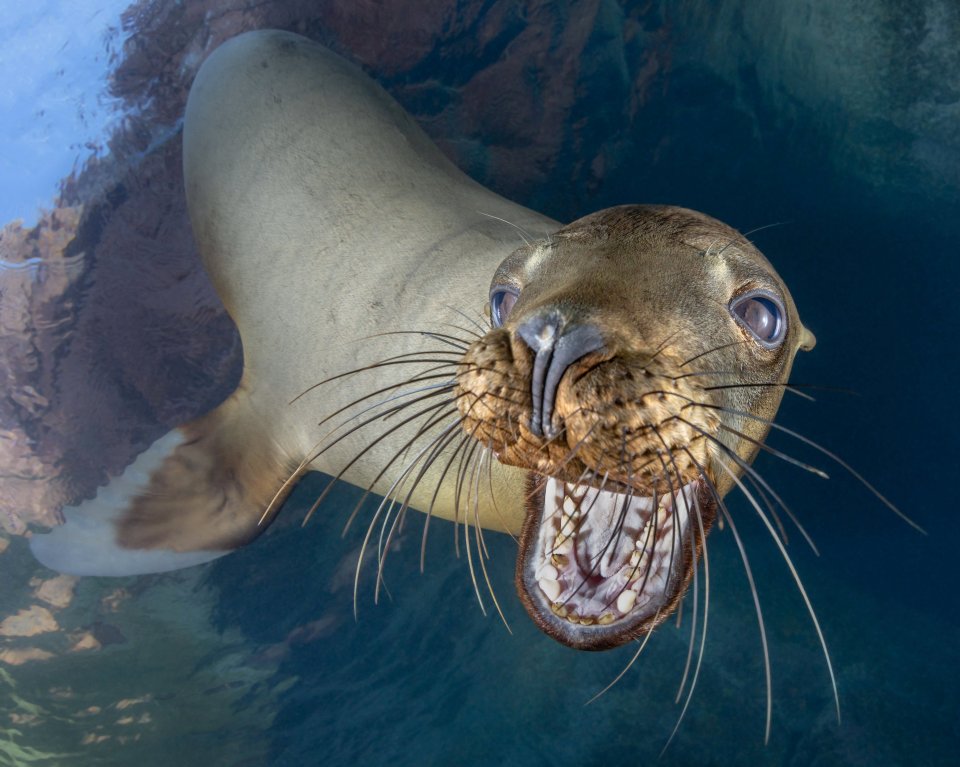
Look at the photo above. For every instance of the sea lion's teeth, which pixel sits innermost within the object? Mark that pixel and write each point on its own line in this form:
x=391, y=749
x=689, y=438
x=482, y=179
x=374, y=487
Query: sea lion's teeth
x=559, y=610
x=626, y=600
x=560, y=560
x=563, y=547
x=569, y=506
x=548, y=571
x=550, y=588
x=605, y=619
x=587, y=621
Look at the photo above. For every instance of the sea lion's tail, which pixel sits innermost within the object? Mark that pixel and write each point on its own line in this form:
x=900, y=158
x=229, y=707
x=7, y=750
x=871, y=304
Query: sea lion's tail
x=197, y=493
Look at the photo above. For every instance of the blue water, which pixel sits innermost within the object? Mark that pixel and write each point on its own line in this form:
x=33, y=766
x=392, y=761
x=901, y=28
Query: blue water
x=257, y=659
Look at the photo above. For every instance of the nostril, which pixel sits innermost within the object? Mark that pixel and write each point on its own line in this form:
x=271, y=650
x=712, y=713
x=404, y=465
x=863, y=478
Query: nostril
x=556, y=347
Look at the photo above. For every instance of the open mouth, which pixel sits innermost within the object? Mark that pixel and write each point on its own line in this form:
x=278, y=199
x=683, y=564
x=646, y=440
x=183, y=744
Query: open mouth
x=598, y=568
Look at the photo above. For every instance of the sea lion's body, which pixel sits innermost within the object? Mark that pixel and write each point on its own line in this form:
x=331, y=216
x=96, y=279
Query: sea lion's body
x=331, y=226
x=319, y=239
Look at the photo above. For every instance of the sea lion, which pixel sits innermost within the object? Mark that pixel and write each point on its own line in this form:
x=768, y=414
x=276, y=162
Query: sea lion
x=635, y=360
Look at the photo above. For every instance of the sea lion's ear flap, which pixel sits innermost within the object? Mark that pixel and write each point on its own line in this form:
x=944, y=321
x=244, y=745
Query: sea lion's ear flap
x=807, y=339
x=196, y=494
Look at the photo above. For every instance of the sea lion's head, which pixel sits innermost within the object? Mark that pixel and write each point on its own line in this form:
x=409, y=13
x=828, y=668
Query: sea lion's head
x=635, y=361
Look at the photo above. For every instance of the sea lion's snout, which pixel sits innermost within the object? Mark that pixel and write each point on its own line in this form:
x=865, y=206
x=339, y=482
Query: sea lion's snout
x=616, y=507
x=556, y=345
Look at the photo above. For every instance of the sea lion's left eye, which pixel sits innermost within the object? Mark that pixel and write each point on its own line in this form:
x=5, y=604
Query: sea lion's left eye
x=501, y=302
x=763, y=315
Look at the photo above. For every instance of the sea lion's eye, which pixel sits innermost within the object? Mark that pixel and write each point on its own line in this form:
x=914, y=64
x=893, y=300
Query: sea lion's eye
x=501, y=302
x=762, y=314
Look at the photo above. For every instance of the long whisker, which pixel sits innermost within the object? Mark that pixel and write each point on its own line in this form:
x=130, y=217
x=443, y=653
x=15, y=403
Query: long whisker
x=429, y=450
x=706, y=604
x=370, y=445
x=387, y=502
x=755, y=476
x=711, y=351
x=482, y=552
x=626, y=668
x=374, y=366
x=446, y=384
x=790, y=384
x=693, y=627
x=760, y=623
x=753, y=587
x=455, y=341
x=469, y=319
x=792, y=388
x=776, y=453
x=796, y=580
x=440, y=445
x=464, y=441
x=832, y=456
x=523, y=234
x=466, y=522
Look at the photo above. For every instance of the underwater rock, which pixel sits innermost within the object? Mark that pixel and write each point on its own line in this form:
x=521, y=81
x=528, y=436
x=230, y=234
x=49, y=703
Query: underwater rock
x=29, y=622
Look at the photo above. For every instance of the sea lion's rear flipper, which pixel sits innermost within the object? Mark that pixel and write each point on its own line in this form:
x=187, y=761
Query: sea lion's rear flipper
x=195, y=494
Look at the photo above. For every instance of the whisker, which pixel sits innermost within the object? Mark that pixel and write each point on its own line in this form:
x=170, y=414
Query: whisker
x=468, y=318
x=523, y=234
x=482, y=552
x=466, y=524
x=706, y=608
x=390, y=361
x=755, y=476
x=790, y=384
x=768, y=505
x=373, y=443
x=493, y=500
x=662, y=346
x=465, y=460
x=765, y=226
x=796, y=580
x=563, y=464
x=776, y=453
x=753, y=588
x=760, y=623
x=446, y=384
x=464, y=440
x=711, y=351
x=626, y=668
x=469, y=331
x=455, y=341
x=430, y=449
x=440, y=444
x=764, y=385
x=832, y=456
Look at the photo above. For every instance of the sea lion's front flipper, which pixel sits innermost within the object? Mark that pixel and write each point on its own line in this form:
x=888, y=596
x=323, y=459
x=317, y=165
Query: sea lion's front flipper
x=196, y=494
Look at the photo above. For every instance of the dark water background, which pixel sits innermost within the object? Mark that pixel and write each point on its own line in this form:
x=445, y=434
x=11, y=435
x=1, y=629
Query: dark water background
x=257, y=659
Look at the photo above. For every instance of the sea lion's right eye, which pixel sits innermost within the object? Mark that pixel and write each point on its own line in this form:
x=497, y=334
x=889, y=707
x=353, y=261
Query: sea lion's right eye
x=501, y=303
